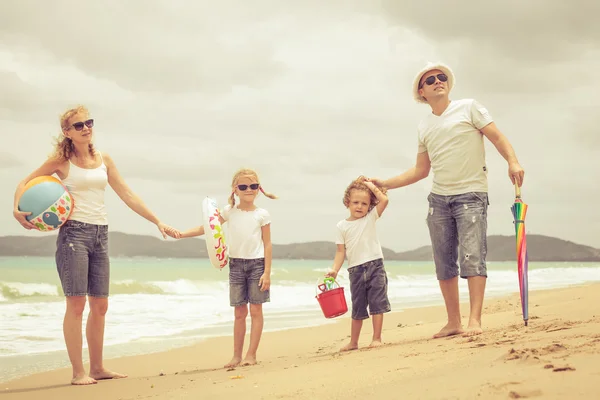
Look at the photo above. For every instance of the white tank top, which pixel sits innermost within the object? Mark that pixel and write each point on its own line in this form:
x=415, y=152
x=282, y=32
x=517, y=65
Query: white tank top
x=87, y=188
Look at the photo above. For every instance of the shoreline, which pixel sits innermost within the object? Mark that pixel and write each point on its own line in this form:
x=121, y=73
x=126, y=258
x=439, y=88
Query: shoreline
x=563, y=330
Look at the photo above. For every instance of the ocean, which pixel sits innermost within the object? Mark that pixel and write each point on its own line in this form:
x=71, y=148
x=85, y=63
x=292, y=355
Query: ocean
x=160, y=304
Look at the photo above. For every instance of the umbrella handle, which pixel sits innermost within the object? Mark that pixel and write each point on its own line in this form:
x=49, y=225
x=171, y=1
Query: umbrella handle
x=517, y=191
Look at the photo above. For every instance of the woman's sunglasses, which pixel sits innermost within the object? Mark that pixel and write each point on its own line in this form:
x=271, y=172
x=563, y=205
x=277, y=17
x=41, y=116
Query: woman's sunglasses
x=79, y=125
x=253, y=186
x=431, y=79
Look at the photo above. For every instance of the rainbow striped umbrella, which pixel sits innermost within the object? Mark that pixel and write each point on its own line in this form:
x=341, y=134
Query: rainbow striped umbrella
x=519, y=211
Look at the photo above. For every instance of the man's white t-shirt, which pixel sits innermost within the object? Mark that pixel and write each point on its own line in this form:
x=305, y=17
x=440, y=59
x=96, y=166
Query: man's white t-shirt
x=455, y=146
x=360, y=239
x=243, y=232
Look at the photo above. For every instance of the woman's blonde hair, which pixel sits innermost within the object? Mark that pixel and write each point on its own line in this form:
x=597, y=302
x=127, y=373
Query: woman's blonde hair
x=245, y=172
x=358, y=184
x=64, y=147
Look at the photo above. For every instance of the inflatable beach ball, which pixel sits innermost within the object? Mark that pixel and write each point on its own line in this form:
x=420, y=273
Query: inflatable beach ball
x=48, y=201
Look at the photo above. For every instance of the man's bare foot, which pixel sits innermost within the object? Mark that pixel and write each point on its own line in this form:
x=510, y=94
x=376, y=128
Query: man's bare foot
x=376, y=343
x=449, y=330
x=106, y=374
x=235, y=361
x=249, y=360
x=349, y=347
x=473, y=329
x=83, y=380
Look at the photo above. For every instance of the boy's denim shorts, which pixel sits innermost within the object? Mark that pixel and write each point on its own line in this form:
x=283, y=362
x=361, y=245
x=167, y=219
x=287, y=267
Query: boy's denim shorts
x=244, y=275
x=368, y=287
x=458, y=230
x=82, y=259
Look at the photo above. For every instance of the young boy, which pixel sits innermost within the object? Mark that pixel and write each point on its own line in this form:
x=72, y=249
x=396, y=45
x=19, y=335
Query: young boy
x=357, y=240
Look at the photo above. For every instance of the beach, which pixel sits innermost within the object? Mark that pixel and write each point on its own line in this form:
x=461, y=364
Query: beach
x=557, y=356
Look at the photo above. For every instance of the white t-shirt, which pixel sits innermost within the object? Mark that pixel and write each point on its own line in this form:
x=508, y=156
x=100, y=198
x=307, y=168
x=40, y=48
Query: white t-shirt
x=243, y=233
x=455, y=147
x=360, y=239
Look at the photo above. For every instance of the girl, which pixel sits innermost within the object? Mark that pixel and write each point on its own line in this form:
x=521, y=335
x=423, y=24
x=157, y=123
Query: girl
x=250, y=253
x=82, y=245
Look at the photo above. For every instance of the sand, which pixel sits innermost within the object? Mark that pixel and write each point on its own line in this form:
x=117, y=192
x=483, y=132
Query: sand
x=556, y=357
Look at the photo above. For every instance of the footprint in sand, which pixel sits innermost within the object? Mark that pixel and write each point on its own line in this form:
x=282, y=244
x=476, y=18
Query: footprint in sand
x=524, y=394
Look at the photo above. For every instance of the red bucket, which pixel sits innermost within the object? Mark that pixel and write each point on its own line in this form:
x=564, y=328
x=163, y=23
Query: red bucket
x=332, y=302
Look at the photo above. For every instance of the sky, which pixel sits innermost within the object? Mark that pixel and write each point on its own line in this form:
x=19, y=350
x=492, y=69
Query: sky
x=311, y=95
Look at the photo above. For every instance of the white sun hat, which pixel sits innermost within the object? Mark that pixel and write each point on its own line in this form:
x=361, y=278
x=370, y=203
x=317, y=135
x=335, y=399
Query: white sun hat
x=430, y=67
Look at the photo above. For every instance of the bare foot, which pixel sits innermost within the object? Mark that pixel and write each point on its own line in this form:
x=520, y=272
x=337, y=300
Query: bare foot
x=473, y=329
x=349, y=347
x=249, y=360
x=449, y=330
x=235, y=361
x=376, y=343
x=106, y=374
x=83, y=380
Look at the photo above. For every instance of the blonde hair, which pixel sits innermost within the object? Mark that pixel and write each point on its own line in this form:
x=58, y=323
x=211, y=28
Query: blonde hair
x=358, y=184
x=64, y=148
x=245, y=172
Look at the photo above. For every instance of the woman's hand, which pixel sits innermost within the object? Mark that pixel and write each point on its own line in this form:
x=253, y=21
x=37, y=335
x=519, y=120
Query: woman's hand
x=21, y=216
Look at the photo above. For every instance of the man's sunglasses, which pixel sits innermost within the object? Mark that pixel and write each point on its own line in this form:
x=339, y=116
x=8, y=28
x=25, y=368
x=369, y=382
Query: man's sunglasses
x=431, y=79
x=79, y=125
x=253, y=186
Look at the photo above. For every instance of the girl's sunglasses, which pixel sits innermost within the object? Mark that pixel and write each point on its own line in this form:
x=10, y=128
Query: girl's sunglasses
x=79, y=125
x=431, y=79
x=253, y=186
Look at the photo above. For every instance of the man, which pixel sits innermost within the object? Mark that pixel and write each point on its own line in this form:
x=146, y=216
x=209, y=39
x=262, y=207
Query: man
x=451, y=144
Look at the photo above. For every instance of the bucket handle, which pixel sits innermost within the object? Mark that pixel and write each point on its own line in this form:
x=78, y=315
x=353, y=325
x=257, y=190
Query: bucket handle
x=327, y=284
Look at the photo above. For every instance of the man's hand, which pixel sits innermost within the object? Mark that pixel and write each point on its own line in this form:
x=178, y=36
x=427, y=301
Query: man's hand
x=516, y=173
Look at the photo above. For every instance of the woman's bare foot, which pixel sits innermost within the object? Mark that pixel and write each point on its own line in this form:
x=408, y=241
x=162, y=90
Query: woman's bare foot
x=83, y=380
x=376, y=343
x=235, y=361
x=473, y=329
x=349, y=347
x=249, y=360
x=449, y=330
x=106, y=374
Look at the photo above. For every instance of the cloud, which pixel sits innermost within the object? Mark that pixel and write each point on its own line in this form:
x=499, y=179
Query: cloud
x=8, y=160
x=149, y=47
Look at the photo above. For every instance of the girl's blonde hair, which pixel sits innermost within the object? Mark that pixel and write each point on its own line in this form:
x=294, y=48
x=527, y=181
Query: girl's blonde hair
x=64, y=147
x=245, y=172
x=358, y=184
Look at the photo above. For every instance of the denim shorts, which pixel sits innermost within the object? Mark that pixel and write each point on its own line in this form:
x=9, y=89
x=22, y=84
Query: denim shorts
x=368, y=287
x=458, y=230
x=82, y=259
x=244, y=275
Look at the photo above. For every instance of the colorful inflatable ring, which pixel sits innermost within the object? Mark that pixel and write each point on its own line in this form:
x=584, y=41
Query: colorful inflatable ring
x=213, y=232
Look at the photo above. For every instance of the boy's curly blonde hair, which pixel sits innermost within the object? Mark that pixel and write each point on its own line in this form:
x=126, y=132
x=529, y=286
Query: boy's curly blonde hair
x=245, y=172
x=358, y=184
x=64, y=148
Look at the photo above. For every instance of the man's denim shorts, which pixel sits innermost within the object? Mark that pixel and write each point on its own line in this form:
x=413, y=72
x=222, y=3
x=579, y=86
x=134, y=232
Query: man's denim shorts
x=244, y=275
x=82, y=259
x=458, y=230
x=368, y=287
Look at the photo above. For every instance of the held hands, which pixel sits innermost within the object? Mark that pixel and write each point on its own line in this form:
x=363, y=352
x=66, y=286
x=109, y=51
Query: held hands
x=265, y=282
x=516, y=173
x=331, y=274
x=21, y=217
x=168, y=230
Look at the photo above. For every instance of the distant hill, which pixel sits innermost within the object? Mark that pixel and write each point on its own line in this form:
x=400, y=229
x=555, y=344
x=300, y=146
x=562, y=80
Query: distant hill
x=500, y=248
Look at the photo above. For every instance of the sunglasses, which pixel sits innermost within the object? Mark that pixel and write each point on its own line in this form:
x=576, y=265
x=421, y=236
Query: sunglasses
x=431, y=79
x=253, y=186
x=79, y=125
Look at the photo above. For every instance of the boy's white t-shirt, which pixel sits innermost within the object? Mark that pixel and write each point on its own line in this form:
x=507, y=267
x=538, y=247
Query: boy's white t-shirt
x=455, y=146
x=360, y=239
x=243, y=231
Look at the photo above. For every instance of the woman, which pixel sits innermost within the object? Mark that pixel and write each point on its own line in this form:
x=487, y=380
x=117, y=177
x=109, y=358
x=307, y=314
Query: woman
x=82, y=246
